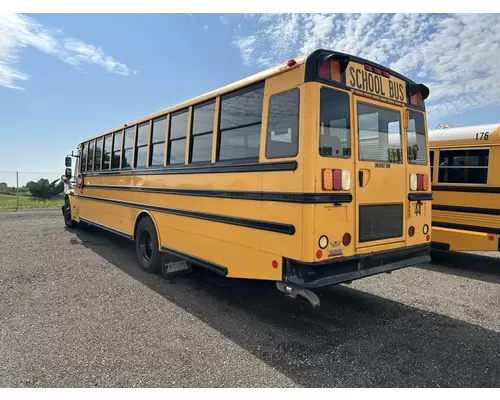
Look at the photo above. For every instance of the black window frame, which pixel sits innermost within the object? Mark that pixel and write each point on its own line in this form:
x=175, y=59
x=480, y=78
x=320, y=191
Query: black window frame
x=105, y=141
x=165, y=117
x=91, y=144
x=464, y=149
x=124, y=149
x=99, y=139
x=115, y=150
x=268, y=133
x=253, y=87
x=193, y=135
x=185, y=137
x=137, y=146
x=431, y=162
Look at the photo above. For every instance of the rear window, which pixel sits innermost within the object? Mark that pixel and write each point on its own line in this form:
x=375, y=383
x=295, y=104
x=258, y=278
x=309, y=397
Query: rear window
x=335, y=124
x=416, y=141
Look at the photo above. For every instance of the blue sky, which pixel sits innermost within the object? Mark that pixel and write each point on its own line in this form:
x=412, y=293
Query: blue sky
x=64, y=77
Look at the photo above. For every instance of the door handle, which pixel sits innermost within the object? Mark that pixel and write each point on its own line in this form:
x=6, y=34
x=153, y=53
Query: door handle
x=360, y=175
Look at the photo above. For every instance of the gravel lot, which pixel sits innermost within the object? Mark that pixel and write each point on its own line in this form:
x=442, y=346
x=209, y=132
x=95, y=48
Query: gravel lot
x=76, y=311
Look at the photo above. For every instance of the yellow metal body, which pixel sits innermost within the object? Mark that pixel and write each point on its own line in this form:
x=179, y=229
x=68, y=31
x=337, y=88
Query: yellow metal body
x=466, y=215
x=188, y=208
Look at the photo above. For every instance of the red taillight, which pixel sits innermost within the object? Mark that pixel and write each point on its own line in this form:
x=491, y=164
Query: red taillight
x=291, y=62
x=419, y=182
x=490, y=237
x=346, y=239
x=319, y=254
x=330, y=70
x=275, y=264
x=411, y=231
x=386, y=74
x=368, y=67
x=416, y=99
x=428, y=237
x=336, y=179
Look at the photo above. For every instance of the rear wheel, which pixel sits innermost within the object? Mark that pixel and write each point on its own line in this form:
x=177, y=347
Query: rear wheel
x=147, y=246
x=67, y=214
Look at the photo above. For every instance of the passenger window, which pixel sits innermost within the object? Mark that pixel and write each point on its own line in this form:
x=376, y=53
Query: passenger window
x=108, y=142
x=463, y=166
x=83, y=165
x=202, y=131
x=240, y=123
x=335, y=124
x=141, y=152
x=156, y=158
x=283, y=125
x=90, y=158
x=128, y=147
x=117, y=150
x=98, y=152
x=177, y=138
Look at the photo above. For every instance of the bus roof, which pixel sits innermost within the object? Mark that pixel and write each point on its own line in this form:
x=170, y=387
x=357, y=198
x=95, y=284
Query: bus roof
x=465, y=133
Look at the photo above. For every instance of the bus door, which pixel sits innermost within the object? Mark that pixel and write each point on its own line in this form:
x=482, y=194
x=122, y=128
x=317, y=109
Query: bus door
x=380, y=174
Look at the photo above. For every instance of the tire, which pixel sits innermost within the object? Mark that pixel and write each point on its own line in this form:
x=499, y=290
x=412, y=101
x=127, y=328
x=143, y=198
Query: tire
x=70, y=224
x=147, y=247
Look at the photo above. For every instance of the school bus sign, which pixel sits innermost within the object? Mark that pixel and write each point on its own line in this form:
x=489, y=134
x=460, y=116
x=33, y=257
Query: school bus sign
x=376, y=83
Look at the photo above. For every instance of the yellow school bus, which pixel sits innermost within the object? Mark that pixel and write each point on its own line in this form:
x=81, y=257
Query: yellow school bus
x=465, y=211
x=311, y=173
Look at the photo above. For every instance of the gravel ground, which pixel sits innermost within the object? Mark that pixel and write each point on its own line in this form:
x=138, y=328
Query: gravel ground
x=76, y=311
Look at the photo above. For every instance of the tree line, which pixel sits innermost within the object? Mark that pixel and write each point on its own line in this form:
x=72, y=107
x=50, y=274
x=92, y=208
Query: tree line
x=43, y=189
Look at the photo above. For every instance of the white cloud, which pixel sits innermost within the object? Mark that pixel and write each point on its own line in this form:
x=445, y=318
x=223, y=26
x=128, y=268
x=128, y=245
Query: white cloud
x=455, y=55
x=18, y=32
x=223, y=20
x=205, y=28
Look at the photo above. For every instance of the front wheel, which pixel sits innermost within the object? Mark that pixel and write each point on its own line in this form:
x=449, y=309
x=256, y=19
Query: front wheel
x=147, y=247
x=70, y=224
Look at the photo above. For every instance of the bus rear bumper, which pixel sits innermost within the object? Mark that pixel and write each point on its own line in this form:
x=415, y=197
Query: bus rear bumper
x=340, y=270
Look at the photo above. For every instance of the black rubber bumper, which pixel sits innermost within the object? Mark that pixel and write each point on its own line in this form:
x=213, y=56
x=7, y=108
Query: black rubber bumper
x=332, y=272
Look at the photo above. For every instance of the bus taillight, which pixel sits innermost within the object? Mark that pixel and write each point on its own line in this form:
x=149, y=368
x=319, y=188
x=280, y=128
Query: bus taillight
x=419, y=182
x=336, y=179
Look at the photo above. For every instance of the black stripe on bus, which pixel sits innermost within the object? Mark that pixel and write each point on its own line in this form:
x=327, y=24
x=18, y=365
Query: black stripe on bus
x=473, y=228
x=209, y=169
x=419, y=196
x=107, y=228
x=462, y=209
x=218, y=269
x=249, y=223
x=466, y=189
x=306, y=198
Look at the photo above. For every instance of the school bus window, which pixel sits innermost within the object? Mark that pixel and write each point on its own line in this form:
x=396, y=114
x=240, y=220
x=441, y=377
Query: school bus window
x=202, y=131
x=83, y=166
x=177, y=138
x=158, y=142
x=240, y=123
x=379, y=134
x=98, y=153
x=90, y=158
x=283, y=125
x=463, y=166
x=335, y=124
x=141, y=152
x=415, y=137
x=108, y=141
x=117, y=150
x=431, y=160
x=128, y=147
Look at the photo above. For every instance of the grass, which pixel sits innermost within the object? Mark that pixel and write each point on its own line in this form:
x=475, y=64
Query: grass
x=9, y=202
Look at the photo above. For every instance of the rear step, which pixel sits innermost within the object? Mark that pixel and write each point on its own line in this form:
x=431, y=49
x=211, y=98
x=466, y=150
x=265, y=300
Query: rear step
x=172, y=269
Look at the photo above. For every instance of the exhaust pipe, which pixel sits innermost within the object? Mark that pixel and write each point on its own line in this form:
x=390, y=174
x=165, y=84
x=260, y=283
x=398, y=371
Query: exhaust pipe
x=292, y=290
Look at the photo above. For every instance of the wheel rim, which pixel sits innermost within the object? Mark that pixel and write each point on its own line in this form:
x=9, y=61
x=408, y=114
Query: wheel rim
x=146, y=246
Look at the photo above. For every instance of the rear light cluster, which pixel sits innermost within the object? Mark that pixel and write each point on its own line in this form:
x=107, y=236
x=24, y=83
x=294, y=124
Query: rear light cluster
x=336, y=179
x=417, y=100
x=330, y=70
x=419, y=182
x=377, y=71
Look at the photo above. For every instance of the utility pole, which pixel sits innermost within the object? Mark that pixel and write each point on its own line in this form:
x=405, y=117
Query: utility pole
x=17, y=189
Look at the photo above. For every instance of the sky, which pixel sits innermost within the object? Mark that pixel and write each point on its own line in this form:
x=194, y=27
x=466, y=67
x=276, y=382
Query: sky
x=65, y=77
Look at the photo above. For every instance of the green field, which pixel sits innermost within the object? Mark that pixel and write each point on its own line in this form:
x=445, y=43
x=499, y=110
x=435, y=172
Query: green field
x=9, y=202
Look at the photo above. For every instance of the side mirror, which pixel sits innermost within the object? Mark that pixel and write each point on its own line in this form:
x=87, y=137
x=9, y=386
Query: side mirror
x=68, y=173
x=67, y=161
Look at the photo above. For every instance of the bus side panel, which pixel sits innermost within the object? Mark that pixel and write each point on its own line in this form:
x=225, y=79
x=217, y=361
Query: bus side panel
x=459, y=240
x=113, y=216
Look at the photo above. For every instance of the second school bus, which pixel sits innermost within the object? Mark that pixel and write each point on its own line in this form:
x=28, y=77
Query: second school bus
x=311, y=173
x=465, y=213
